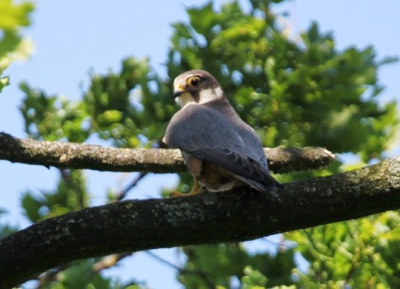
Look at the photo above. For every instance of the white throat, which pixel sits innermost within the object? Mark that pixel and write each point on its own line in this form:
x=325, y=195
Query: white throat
x=184, y=99
x=210, y=94
x=206, y=95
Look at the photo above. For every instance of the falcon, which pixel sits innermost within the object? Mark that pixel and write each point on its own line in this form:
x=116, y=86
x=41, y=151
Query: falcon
x=219, y=148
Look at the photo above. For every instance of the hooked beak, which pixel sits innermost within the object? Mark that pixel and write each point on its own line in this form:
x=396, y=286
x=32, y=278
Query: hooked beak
x=178, y=90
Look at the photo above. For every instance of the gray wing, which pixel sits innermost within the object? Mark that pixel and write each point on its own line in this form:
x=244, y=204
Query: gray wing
x=215, y=138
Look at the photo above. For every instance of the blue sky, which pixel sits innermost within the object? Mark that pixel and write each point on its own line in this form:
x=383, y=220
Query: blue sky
x=75, y=37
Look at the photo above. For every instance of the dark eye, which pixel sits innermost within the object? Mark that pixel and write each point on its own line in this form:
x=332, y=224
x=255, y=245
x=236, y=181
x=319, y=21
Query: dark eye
x=194, y=81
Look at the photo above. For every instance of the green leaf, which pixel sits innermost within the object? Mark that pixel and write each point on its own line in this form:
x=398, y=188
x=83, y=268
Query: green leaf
x=14, y=15
x=31, y=207
x=4, y=81
x=253, y=278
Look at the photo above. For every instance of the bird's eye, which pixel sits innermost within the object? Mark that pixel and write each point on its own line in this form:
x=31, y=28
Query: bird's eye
x=194, y=81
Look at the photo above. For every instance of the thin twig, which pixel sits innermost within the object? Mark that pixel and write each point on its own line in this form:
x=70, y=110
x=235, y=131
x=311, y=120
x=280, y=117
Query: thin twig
x=202, y=274
x=122, y=194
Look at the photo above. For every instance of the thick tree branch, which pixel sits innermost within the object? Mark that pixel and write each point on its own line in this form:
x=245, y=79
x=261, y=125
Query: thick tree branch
x=84, y=156
x=238, y=215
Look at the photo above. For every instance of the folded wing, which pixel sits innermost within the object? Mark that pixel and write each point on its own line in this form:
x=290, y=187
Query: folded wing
x=207, y=135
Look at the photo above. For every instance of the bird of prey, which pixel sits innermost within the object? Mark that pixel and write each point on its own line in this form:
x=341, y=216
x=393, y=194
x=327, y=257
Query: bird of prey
x=220, y=149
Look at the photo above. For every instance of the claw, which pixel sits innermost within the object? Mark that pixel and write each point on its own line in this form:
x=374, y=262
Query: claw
x=194, y=191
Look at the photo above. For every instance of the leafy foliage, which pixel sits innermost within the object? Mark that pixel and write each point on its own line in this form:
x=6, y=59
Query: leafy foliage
x=212, y=265
x=120, y=105
x=303, y=93
x=81, y=275
x=300, y=95
x=12, y=17
x=361, y=253
x=12, y=46
x=69, y=196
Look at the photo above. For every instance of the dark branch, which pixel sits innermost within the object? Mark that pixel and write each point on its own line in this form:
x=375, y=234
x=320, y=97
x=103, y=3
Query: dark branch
x=84, y=156
x=238, y=215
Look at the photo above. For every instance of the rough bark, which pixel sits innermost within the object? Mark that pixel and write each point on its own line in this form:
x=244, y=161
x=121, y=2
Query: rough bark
x=238, y=215
x=84, y=156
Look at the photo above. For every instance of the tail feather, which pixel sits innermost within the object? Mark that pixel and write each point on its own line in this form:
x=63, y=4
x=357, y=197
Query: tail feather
x=267, y=185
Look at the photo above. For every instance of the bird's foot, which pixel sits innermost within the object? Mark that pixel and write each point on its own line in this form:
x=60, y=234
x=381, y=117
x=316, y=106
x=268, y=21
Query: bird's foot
x=194, y=191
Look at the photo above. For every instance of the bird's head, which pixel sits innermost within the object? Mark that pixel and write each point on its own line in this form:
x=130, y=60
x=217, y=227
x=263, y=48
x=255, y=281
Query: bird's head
x=196, y=86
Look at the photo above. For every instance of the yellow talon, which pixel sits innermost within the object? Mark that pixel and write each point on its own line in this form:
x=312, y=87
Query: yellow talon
x=194, y=191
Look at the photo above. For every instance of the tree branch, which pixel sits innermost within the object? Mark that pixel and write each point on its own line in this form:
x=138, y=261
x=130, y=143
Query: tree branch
x=238, y=215
x=84, y=156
